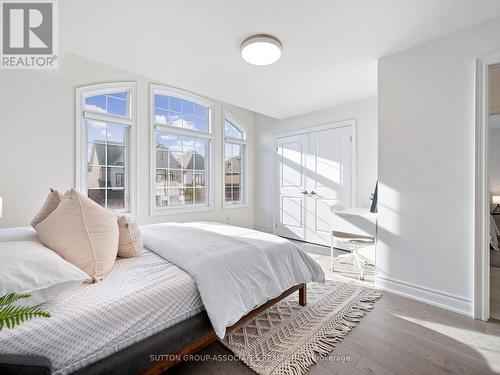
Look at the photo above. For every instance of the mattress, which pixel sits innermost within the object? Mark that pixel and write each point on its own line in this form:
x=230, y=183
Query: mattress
x=138, y=298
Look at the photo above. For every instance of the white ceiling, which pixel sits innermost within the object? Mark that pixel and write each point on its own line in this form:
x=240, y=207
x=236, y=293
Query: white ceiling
x=330, y=47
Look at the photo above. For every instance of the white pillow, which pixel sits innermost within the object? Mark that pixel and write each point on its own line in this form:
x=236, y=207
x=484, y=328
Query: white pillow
x=29, y=267
x=18, y=234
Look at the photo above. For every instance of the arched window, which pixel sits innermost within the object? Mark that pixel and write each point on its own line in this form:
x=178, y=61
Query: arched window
x=105, y=126
x=182, y=143
x=235, y=139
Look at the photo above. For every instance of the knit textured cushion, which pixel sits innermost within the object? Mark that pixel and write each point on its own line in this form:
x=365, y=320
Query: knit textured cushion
x=83, y=233
x=130, y=240
x=50, y=205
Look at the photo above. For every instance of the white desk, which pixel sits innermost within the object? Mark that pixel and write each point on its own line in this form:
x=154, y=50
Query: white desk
x=354, y=229
x=359, y=221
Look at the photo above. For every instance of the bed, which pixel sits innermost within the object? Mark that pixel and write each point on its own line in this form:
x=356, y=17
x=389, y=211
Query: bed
x=140, y=318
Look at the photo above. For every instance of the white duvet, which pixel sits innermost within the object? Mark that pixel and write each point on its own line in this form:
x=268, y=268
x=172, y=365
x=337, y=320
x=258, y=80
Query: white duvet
x=235, y=269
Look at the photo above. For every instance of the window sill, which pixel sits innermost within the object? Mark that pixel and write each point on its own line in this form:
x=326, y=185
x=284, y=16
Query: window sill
x=156, y=211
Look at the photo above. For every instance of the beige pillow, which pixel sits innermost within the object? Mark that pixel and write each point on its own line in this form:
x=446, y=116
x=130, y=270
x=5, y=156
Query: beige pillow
x=130, y=240
x=83, y=233
x=50, y=205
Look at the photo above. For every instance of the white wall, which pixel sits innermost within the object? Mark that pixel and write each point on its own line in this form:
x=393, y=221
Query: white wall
x=426, y=167
x=37, y=141
x=365, y=114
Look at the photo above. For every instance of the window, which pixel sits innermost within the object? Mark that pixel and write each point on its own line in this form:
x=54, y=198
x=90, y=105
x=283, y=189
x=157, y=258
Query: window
x=105, y=120
x=182, y=148
x=234, y=161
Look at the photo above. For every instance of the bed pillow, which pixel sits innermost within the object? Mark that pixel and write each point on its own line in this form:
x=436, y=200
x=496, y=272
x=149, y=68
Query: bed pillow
x=18, y=234
x=51, y=203
x=130, y=238
x=83, y=233
x=29, y=267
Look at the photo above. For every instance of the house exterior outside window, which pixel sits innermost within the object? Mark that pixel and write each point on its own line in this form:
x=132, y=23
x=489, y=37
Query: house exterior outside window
x=105, y=129
x=235, y=141
x=181, y=153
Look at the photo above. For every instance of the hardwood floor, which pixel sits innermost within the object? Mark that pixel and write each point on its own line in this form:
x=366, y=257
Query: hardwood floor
x=399, y=336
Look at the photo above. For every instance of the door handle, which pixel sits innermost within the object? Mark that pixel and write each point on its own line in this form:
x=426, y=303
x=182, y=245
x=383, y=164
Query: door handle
x=305, y=192
x=313, y=193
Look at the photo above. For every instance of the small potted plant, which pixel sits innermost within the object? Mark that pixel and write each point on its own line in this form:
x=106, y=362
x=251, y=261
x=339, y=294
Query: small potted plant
x=12, y=315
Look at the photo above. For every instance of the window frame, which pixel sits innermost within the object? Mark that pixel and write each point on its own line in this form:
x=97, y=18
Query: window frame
x=243, y=202
x=129, y=121
x=154, y=210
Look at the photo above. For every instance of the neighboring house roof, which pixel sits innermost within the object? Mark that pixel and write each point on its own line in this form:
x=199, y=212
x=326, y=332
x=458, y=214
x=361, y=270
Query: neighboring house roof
x=192, y=160
x=163, y=162
x=115, y=154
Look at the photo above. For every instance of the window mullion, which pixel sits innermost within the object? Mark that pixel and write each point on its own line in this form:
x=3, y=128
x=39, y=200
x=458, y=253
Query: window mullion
x=235, y=140
x=106, y=168
x=182, y=132
x=89, y=115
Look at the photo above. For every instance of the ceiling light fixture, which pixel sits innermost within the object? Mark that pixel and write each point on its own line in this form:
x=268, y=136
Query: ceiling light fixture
x=261, y=49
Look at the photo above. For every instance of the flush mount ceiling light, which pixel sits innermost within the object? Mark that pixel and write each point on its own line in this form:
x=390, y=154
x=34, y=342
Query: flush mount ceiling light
x=261, y=49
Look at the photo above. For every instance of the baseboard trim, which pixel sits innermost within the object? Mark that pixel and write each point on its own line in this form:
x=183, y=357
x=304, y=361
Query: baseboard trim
x=433, y=297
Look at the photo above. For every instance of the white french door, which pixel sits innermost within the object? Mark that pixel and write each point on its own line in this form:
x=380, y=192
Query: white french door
x=291, y=172
x=313, y=174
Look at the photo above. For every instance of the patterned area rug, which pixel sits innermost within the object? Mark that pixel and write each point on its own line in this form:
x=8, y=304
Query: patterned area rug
x=288, y=338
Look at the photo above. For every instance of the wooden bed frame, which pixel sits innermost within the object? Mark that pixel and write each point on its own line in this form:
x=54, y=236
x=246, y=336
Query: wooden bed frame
x=211, y=337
